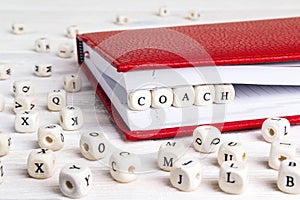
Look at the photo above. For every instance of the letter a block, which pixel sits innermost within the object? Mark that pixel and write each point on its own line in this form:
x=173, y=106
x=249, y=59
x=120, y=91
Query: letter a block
x=289, y=177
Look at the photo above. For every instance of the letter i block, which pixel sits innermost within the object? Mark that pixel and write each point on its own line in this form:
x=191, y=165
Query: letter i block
x=139, y=100
x=72, y=83
x=71, y=118
x=275, y=129
x=233, y=177
x=169, y=152
x=289, y=177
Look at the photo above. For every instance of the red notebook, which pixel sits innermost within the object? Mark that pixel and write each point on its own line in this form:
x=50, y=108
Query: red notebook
x=223, y=45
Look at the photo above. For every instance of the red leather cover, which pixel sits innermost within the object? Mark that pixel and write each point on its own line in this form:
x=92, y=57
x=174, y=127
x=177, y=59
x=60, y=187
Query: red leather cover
x=248, y=42
x=167, y=132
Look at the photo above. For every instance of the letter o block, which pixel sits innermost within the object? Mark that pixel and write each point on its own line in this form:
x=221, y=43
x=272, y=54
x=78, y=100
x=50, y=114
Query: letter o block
x=162, y=98
x=94, y=145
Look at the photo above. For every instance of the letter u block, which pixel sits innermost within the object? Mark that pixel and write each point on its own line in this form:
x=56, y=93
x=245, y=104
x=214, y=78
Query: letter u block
x=231, y=151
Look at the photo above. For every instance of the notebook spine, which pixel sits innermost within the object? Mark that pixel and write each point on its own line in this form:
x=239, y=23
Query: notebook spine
x=80, y=51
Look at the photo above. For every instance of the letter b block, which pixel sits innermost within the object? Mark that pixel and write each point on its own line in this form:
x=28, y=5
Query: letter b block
x=289, y=177
x=95, y=145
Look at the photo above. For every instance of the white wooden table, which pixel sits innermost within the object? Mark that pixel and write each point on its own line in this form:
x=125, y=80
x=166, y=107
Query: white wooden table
x=50, y=19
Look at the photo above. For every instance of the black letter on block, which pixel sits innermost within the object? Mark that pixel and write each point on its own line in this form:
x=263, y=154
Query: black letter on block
x=289, y=181
x=228, y=178
x=39, y=167
x=168, y=163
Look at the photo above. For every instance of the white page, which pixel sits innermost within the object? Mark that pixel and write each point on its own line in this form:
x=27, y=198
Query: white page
x=251, y=102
